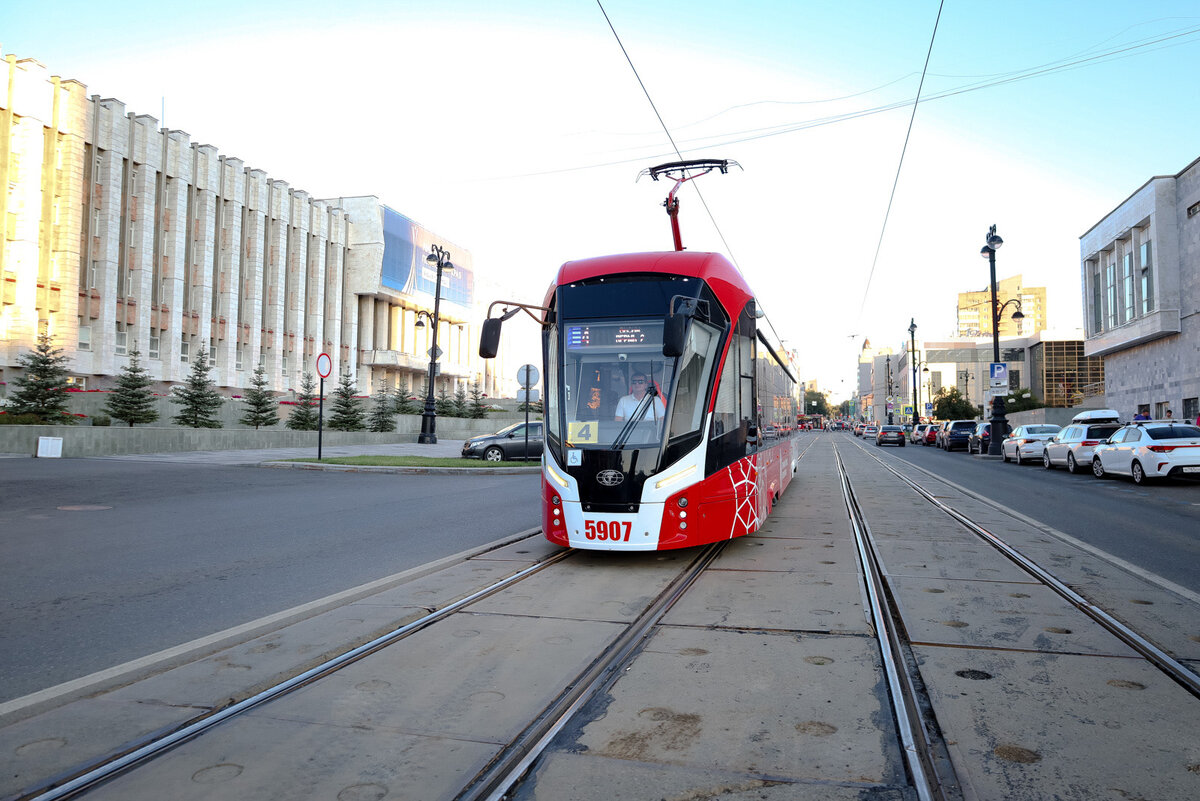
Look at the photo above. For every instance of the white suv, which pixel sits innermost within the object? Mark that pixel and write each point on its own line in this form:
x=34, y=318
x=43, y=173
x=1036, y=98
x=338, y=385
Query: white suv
x=1147, y=450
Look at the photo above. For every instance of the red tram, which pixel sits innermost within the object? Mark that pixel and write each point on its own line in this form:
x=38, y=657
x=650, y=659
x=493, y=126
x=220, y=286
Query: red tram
x=669, y=405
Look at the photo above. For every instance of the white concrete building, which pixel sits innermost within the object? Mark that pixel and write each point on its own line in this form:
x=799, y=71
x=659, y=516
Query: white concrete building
x=1140, y=271
x=122, y=236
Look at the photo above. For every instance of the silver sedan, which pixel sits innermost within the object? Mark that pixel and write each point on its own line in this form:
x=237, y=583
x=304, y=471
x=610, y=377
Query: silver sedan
x=1027, y=442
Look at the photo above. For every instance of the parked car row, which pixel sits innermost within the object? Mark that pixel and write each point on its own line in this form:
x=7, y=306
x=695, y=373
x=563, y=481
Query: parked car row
x=1095, y=440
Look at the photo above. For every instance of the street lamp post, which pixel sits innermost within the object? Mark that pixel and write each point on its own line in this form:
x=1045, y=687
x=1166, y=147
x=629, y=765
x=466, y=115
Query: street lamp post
x=912, y=357
x=999, y=421
x=889, y=395
x=441, y=258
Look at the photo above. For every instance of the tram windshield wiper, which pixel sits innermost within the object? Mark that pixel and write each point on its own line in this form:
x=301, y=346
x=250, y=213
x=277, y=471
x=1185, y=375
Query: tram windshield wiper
x=635, y=418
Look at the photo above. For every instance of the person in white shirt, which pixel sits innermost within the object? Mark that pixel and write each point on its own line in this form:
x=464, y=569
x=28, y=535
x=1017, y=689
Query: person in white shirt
x=627, y=405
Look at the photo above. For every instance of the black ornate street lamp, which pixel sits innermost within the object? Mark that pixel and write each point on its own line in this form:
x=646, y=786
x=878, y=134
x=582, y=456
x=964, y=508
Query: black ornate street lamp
x=912, y=357
x=889, y=395
x=999, y=421
x=441, y=258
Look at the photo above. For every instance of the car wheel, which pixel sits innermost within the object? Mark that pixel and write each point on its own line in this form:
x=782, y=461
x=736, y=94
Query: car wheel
x=493, y=454
x=1019, y=460
x=1046, y=463
x=1098, y=468
x=902, y=444
x=1004, y=454
x=1072, y=466
x=1139, y=475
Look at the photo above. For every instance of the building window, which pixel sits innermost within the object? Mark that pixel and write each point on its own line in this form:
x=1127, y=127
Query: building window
x=85, y=337
x=184, y=350
x=1147, y=278
x=154, y=350
x=238, y=363
x=1097, y=300
x=1110, y=286
x=1127, y=284
x=1191, y=409
x=121, y=345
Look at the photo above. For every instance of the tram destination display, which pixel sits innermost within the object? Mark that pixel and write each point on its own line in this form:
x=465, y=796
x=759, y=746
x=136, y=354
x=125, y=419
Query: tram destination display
x=614, y=335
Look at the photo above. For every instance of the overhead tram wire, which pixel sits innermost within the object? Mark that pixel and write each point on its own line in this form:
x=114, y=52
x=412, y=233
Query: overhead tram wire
x=903, y=150
x=1126, y=51
x=667, y=131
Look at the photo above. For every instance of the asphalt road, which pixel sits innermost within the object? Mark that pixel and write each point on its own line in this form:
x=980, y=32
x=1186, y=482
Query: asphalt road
x=1155, y=526
x=179, y=551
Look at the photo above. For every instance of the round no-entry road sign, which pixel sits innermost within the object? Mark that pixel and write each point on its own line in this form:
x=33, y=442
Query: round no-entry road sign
x=324, y=365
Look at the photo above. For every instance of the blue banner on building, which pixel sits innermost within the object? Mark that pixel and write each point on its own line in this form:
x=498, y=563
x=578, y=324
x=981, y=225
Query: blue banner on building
x=405, y=246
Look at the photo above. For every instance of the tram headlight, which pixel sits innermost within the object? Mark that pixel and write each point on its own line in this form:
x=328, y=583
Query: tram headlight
x=667, y=481
x=555, y=477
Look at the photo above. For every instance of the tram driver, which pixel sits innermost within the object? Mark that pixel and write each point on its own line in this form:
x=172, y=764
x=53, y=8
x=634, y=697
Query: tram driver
x=627, y=405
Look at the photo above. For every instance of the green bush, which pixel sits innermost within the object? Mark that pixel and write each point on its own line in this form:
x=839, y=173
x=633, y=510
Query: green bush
x=101, y=420
x=20, y=420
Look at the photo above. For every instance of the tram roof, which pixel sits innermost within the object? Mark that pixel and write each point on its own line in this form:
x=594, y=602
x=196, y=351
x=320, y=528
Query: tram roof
x=713, y=268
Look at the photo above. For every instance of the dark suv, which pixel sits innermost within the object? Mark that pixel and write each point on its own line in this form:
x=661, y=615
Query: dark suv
x=956, y=434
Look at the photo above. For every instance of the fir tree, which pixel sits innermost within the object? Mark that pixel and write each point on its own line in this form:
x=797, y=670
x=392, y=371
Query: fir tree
x=444, y=405
x=460, y=402
x=405, y=404
x=132, y=401
x=261, y=406
x=347, y=412
x=197, y=397
x=478, y=409
x=304, y=416
x=42, y=389
x=381, y=414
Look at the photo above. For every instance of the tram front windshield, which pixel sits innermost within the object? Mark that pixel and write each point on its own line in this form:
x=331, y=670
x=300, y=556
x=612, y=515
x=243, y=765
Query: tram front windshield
x=616, y=390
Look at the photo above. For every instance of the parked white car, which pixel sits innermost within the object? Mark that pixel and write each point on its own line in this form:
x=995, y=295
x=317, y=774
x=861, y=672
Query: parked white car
x=1027, y=442
x=1072, y=447
x=1149, y=450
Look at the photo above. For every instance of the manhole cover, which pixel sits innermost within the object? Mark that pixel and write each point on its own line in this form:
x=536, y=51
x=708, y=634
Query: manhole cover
x=84, y=507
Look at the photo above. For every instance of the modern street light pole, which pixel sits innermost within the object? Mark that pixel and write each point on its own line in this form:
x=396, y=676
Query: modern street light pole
x=999, y=421
x=912, y=357
x=441, y=258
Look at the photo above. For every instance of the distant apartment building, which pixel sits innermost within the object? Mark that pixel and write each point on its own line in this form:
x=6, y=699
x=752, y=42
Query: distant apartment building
x=121, y=236
x=975, y=310
x=1140, y=271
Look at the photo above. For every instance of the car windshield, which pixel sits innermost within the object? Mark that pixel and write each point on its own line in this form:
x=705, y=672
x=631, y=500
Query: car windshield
x=1042, y=429
x=1101, y=432
x=963, y=426
x=892, y=428
x=1173, y=432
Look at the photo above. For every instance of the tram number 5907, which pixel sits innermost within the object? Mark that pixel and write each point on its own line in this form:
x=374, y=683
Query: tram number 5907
x=614, y=531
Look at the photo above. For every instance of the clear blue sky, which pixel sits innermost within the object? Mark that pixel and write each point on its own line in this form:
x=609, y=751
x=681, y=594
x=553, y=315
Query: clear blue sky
x=516, y=130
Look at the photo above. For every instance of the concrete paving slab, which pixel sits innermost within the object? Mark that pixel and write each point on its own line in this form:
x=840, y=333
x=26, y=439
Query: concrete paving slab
x=1036, y=726
x=49, y=744
x=796, y=708
x=454, y=680
x=300, y=760
x=587, y=777
x=1171, y=622
x=535, y=549
x=968, y=560
x=631, y=581
x=789, y=555
x=987, y=614
x=827, y=602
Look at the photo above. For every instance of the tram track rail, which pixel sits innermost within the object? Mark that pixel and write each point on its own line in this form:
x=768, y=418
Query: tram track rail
x=1151, y=652
x=85, y=777
x=508, y=766
x=924, y=752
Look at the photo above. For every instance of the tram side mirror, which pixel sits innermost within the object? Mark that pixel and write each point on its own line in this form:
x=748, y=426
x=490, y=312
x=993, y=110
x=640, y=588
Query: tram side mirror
x=674, y=335
x=489, y=339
